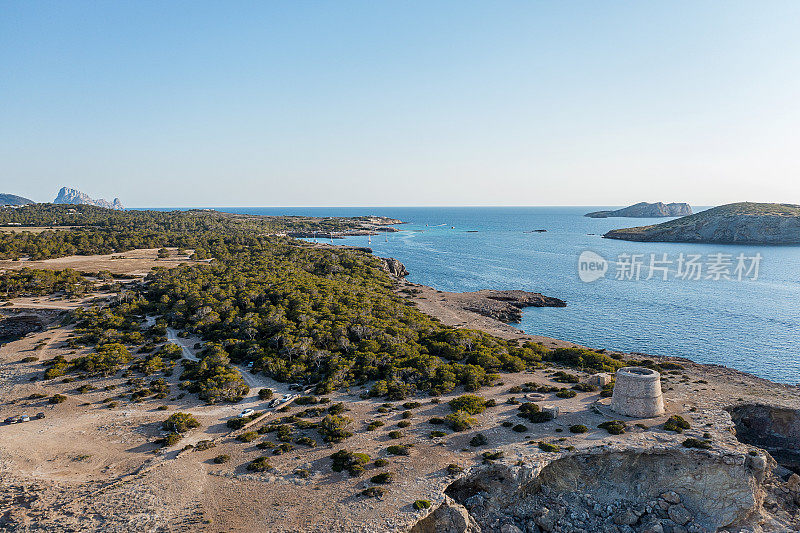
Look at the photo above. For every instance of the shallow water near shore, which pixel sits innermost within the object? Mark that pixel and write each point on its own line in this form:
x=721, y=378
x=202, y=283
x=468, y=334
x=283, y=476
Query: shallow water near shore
x=750, y=325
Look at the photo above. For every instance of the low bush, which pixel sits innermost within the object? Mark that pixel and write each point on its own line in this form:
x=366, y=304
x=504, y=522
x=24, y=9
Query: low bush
x=220, y=459
x=437, y=434
x=547, y=447
x=697, y=443
x=58, y=398
x=398, y=449
x=380, y=463
x=564, y=377
x=180, y=422
x=395, y=434
x=578, y=428
x=468, y=403
x=383, y=478
x=350, y=461
x=259, y=464
x=265, y=394
x=419, y=505
x=454, y=469
x=478, y=440
x=171, y=439
x=375, y=424
x=566, y=393
x=373, y=492
x=492, y=456
x=676, y=423
x=247, y=436
x=460, y=421
x=614, y=427
x=520, y=428
x=403, y=424
x=333, y=428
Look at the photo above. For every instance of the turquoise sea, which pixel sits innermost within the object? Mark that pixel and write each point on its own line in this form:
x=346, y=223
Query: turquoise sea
x=752, y=324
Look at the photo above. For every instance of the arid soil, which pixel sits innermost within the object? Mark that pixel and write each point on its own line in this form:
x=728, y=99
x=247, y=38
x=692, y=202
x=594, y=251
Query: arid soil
x=132, y=263
x=94, y=462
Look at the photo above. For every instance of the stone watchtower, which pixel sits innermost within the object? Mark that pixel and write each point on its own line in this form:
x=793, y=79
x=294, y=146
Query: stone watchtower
x=637, y=393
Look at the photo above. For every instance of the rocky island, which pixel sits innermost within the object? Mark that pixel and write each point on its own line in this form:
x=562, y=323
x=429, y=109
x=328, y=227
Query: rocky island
x=739, y=223
x=645, y=210
x=76, y=197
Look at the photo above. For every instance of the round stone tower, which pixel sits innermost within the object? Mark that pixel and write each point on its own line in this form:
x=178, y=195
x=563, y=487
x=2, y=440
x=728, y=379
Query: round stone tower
x=637, y=393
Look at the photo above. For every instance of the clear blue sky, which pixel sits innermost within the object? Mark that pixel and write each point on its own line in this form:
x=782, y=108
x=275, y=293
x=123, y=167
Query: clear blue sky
x=401, y=103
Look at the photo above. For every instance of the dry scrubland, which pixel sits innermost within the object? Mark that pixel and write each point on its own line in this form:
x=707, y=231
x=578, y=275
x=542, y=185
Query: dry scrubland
x=96, y=460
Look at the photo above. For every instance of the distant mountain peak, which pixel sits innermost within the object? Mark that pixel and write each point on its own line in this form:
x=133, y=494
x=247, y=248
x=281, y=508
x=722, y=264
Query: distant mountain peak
x=75, y=197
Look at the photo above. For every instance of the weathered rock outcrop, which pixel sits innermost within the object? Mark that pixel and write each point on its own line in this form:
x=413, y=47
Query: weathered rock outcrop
x=776, y=429
x=76, y=197
x=394, y=267
x=645, y=210
x=13, y=199
x=742, y=223
x=634, y=489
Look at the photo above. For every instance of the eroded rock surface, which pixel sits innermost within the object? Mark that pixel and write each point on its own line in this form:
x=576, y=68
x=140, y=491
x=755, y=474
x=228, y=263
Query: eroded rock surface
x=626, y=490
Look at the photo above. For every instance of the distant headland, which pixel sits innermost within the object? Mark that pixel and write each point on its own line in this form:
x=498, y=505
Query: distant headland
x=645, y=210
x=739, y=223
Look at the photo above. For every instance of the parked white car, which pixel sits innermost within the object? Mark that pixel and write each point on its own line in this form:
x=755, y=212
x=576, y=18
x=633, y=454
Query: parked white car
x=246, y=413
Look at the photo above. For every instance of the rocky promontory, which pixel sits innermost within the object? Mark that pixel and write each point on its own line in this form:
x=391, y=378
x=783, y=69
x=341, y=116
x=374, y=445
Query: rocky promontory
x=645, y=210
x=739, y=223
x=505, y=306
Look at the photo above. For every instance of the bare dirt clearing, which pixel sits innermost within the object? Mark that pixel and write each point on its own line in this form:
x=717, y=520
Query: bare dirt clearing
x=132, y=263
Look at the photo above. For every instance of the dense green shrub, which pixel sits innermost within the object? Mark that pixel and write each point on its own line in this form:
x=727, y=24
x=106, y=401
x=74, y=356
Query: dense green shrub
x=350, y=461
x=58, y=398
x=547, y=447
x=180, y=422
x=398, y=449
x=697, y=443
x=419, y=505
x=373, y=492
x=333, y=428
x=454, y=469
x=220, y=459
x=479, y=439
x=469, y=403
x=676, y=423
x=265, y=394
x=566, y=393
x=171, y=438
x=460, y=421
x=578, y=428
x=614, y=427
x=259, y=464
x=383, y=478
x=247, y=436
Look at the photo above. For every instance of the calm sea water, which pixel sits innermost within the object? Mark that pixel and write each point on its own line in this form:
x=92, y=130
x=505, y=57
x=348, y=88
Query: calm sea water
x=751, y=325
